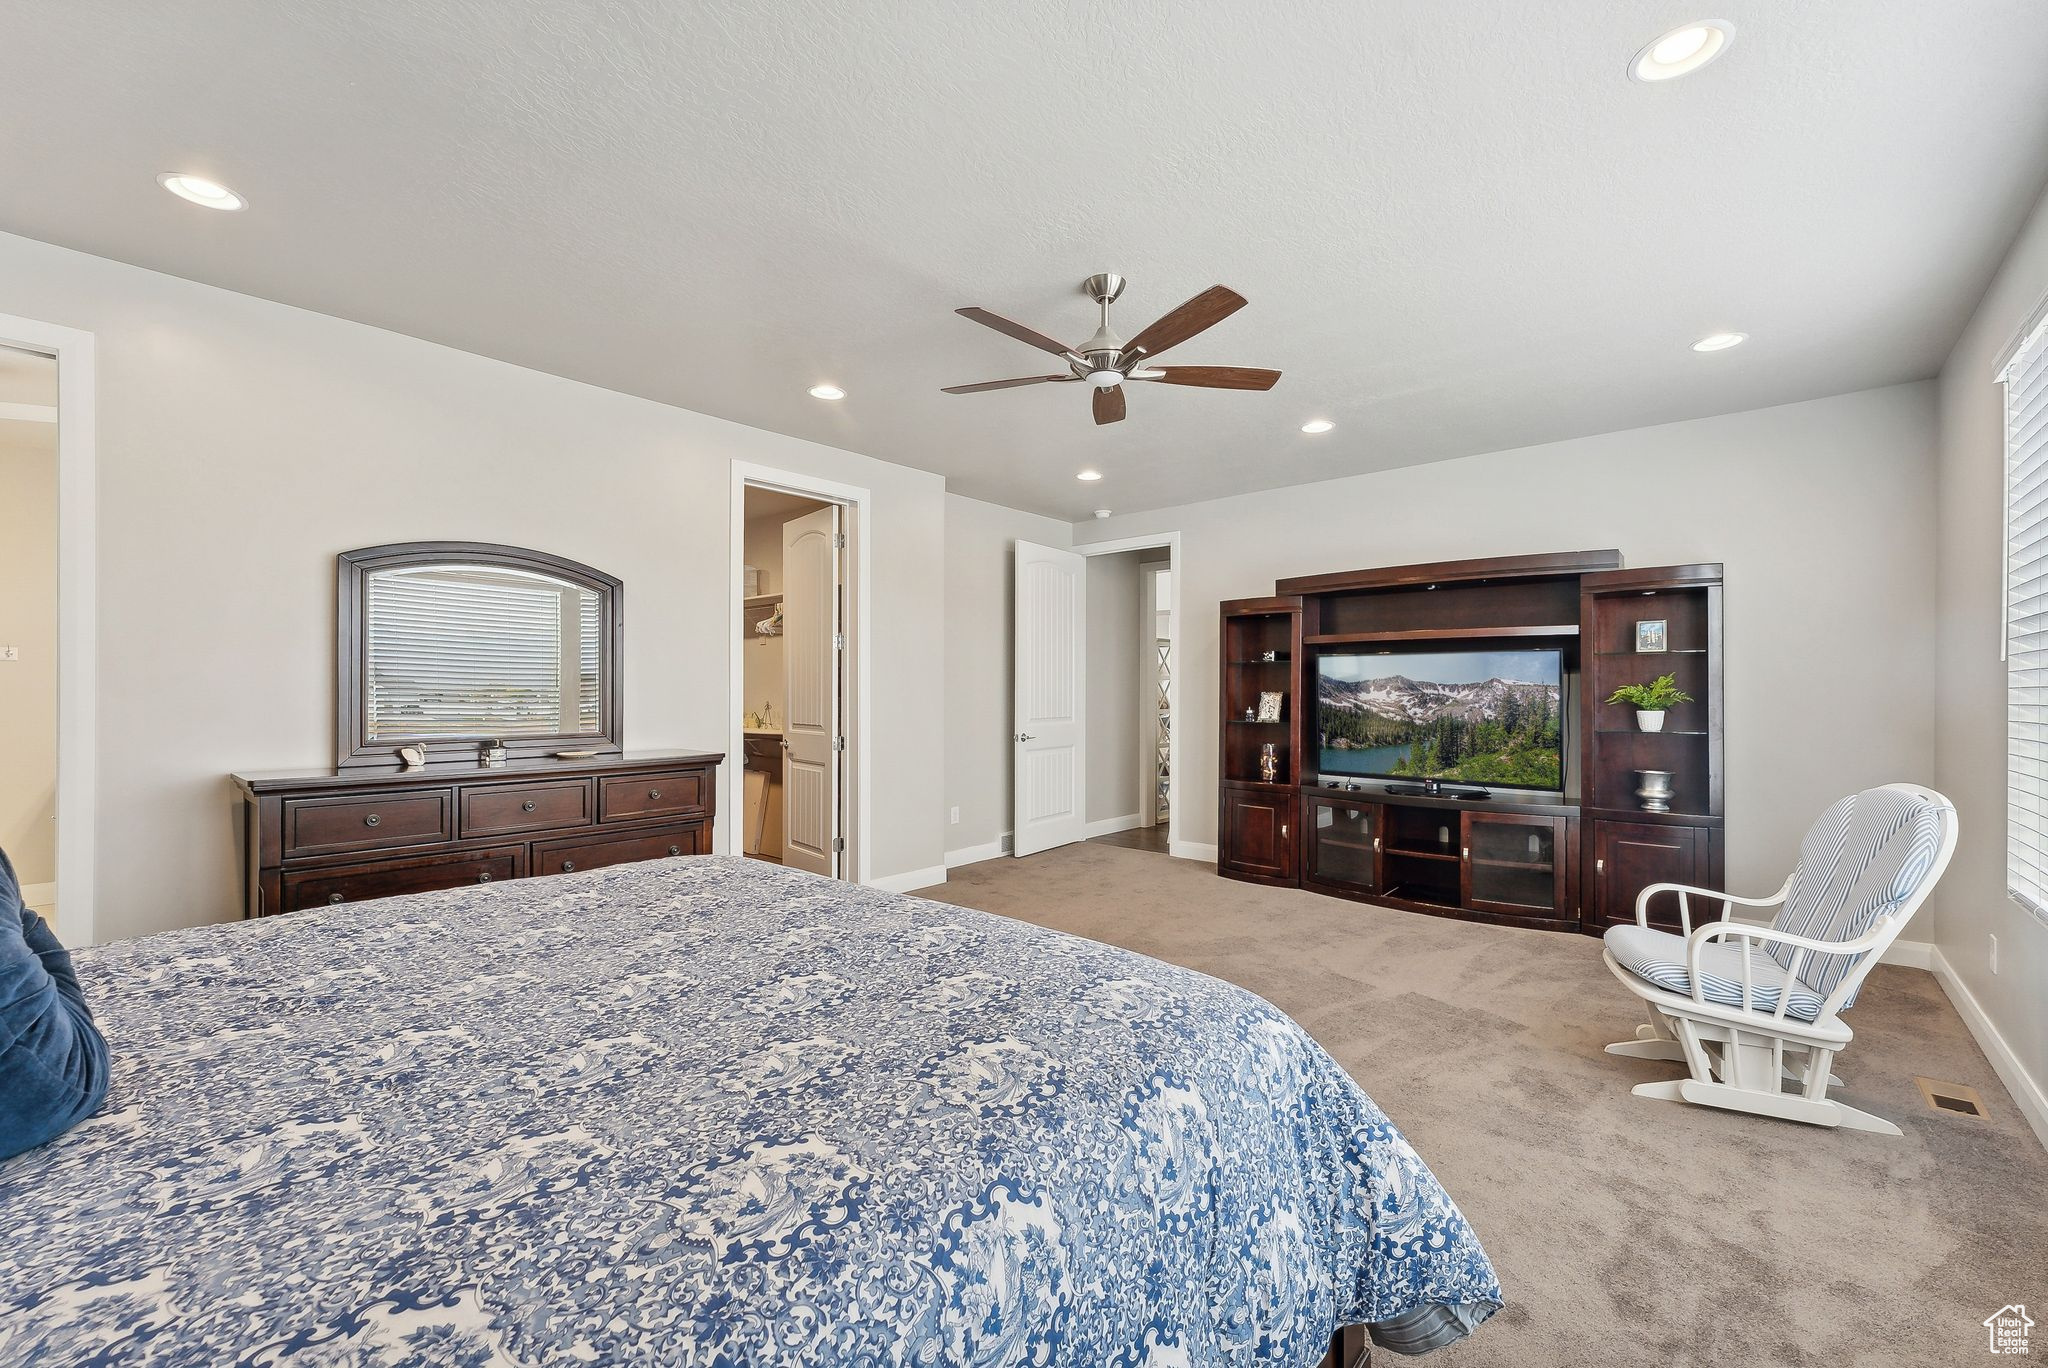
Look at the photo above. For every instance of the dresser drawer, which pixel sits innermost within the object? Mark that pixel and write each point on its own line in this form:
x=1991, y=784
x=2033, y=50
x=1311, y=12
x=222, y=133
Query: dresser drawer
x=634, y=797
x=595, y=852
x=360, y=883
x=499, y=808
x=326, y=826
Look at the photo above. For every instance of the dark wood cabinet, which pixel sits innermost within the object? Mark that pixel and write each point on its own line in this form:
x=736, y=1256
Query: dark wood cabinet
x=1571, y=858
x=348, y=835
x=1630, y=856
x=1258, y=833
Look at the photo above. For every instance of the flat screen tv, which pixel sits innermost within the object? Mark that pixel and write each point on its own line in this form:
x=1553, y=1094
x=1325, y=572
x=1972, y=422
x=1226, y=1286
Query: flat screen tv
x=1473, y=717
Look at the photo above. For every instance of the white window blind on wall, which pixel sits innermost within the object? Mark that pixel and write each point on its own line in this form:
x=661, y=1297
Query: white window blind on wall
x=2026, y=623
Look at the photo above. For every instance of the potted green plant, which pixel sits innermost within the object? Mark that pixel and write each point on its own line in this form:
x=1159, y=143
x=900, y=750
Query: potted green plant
x=1652, y=700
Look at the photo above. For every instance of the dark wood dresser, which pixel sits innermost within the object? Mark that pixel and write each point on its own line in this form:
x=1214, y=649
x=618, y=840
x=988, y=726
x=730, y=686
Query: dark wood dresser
x=344, y=835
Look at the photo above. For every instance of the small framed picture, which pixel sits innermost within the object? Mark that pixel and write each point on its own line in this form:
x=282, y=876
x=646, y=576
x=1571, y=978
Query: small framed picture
x=1269, y=707
x=1650, y=637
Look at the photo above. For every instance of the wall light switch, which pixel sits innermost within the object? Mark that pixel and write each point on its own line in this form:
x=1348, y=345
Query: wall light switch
x=956, y=816
x=1994, y=954
x=10, y=652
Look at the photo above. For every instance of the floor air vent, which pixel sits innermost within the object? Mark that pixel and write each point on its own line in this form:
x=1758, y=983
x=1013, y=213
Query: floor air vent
x=1951, y=1097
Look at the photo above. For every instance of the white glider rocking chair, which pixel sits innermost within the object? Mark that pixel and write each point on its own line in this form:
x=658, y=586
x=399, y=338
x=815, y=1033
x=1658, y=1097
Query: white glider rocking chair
x=1750, y=1008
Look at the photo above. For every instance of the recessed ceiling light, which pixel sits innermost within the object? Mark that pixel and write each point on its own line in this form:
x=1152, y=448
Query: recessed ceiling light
x=1089, y=475
x=1714, y=342
x=827, y=392
x=1101, y=512
x=200, y=190
x=1315, y=425
x=1682, y=50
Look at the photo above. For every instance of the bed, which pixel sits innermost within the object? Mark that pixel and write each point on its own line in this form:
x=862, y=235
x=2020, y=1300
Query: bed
x=710, y=1112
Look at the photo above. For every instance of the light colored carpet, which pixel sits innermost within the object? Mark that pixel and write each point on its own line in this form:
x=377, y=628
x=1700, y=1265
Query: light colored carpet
x=1625, y=1231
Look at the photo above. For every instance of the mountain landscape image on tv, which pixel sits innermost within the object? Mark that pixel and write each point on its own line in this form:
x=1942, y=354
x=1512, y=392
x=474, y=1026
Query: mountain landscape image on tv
x=1476, y=717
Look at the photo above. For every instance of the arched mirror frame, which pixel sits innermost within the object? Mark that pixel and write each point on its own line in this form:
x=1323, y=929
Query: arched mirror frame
x=353, y=746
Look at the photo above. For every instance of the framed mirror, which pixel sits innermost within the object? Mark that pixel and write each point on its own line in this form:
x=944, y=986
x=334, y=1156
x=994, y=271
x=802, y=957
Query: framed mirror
x=447, y=646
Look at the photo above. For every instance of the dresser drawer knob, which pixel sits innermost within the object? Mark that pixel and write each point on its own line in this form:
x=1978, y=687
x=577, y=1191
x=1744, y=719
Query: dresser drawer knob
x=654, y=795
x=526, y=806
x=675, y=850
x=334, y=897
x=372, y=820
x=484, y=877
x=568, y=866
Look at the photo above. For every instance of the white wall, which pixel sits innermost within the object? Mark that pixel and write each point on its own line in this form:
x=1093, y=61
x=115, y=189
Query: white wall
x=242, y=444
x=1971, y=906
x=1114, y=625
x=28, y=621
x=1819, y=511
x=980, y=572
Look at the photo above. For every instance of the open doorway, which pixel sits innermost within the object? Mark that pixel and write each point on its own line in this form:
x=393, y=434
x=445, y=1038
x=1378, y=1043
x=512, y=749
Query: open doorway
x=795, y=700
x=1097, y=631
x=28, y=623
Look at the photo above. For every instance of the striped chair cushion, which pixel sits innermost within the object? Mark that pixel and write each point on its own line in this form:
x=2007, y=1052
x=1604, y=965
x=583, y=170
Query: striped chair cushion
x=1865, y=857
x=1659, y=957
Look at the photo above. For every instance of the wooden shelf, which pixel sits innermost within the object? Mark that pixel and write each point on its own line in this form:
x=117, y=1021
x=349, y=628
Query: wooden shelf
x=1530, y=865
x=1283, y=660
x=1257, y=722
x=760, y=600
x=1637, y=731
x=1558, y=629
x=1651, y=655
x=1424, y=854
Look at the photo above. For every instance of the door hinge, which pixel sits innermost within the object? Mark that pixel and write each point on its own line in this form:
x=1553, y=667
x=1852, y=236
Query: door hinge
x=839, y=541
x=839, y=641
x=839, y=743
x=838, y=845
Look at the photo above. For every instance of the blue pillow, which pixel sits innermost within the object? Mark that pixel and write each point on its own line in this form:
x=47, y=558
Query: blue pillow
x=53, y=1060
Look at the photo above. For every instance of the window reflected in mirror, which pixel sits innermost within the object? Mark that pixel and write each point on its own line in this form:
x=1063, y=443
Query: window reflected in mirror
x=480, y=651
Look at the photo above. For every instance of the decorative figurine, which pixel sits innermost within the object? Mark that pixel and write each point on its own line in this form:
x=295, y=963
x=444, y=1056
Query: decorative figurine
x=1269, y=763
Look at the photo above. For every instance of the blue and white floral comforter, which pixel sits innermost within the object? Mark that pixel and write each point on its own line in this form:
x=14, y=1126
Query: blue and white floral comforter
x=709, y=1112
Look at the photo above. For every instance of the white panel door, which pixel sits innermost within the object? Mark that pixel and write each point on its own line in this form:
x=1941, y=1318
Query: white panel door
x=811, y=653
x=1050, y=704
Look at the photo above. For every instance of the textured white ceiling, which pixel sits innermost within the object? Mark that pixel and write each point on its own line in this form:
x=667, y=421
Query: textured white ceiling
x=1460, y=227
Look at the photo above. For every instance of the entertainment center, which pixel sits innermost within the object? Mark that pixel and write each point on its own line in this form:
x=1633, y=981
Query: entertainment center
x=1438, y=738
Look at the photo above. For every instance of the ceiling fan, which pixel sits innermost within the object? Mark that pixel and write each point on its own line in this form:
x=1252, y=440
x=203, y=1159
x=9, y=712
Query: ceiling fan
x=1106, y=360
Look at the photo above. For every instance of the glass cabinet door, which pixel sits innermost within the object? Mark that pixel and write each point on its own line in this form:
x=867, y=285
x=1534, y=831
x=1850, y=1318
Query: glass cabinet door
x=1511, y=863
x=1343, y=842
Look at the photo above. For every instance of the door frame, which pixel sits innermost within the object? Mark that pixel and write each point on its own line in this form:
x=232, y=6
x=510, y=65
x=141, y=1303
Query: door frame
x=855, y=808
x=77, y=613
x=1153, y=541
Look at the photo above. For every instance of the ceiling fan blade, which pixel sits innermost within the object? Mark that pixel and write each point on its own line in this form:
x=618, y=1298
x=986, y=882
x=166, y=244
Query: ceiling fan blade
x=1109, y=405
x=1023, y=334
x=1205, y=310
x=1005, y=384
x=1210, y=377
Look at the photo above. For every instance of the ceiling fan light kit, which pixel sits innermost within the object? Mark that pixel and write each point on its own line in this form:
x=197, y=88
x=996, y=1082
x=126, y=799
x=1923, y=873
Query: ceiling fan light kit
x=1105, y=361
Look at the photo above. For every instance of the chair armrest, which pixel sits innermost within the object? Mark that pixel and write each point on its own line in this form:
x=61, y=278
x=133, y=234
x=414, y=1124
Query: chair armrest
x=1805, y=945
x=1728, y=901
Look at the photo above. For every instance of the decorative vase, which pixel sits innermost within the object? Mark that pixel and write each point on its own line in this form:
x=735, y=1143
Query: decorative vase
x=1650, y=721
x=1656, y=788
x=1269, y=763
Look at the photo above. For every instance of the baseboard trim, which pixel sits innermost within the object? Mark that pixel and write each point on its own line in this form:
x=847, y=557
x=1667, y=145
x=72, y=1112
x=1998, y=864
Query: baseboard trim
x=1193, y=850
x=1909, y=954
x=1110, y=826
x=2025, y=1089
x=910, y=879
x=967, y=855
x=38, y=895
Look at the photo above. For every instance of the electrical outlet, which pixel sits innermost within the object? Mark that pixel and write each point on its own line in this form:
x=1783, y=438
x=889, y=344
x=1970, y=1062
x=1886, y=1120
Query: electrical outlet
x=1994, y=954
x=956, y=816
x=10, y=652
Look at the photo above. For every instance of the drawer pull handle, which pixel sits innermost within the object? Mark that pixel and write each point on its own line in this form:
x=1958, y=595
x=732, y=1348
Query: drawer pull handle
x=654, y=795
x=526, y=806
x=484, y=877
x=372, y=820
x=334, y=897
x=675, y=850
x=568, y=866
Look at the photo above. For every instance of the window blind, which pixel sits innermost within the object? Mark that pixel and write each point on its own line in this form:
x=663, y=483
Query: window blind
x=479, y=654
x=2026, y=623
